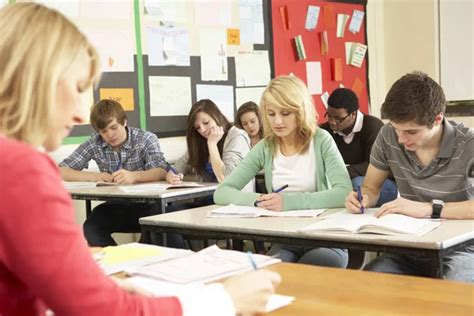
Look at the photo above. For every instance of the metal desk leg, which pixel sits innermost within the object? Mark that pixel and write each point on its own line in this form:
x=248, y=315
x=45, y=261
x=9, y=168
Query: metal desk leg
x=88, y=208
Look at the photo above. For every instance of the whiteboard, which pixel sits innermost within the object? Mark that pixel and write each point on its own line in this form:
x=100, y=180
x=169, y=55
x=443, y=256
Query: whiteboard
x=457, y=49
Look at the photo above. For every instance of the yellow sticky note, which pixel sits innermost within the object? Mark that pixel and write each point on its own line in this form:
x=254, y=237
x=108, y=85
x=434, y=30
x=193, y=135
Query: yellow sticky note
x=116, y=255
x=233, y=37
x=122, y=96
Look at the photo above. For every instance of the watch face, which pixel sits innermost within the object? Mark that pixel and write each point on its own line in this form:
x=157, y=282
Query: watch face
x=439, y=202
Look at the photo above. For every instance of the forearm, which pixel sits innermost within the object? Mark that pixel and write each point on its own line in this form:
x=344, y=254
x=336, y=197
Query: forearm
x=373, y=194
x=155, y=174
x=217, y=164
x=69, y=174
x=458, y=210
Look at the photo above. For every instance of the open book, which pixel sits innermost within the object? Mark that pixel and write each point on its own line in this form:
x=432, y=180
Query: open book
x=158, y=187
x=391, y=224
x=209, y=264
x=237, y=211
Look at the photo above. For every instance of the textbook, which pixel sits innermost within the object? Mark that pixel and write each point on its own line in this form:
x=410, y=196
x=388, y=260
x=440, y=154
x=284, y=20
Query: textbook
x=209, y=264
x=391, y=224
x=158, y=187
x=238, y=211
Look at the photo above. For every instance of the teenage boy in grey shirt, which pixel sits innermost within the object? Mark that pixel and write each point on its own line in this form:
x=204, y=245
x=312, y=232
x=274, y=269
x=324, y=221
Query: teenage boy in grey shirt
x=431, y=160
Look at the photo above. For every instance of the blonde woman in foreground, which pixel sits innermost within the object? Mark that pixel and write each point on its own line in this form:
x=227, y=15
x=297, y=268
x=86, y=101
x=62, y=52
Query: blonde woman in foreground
x=46, y=65
x=297, y=154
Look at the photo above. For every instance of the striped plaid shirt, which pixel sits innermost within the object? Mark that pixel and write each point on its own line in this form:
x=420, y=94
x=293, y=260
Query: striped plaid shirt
x=141, y=151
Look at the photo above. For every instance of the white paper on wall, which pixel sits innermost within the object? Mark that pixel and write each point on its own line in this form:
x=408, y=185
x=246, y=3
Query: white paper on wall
x=170, y=96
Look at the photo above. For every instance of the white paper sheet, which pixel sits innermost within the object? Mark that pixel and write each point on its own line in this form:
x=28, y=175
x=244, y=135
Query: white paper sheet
x=213, y=47
x=170, y=96
x=111, y=10
x=166, y=10
x=252, y=30
x=356, y=21
x=213, y=12
x=69, y=8
x=252, y=68
x=324, y=99
x=312, y=17
x=116, y=48
x=243, y=95
x=341, y=24
x=168, y=46
x=314, y=77
x=222, y=96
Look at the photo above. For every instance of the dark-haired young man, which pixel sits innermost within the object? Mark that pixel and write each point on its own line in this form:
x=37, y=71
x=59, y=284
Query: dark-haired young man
x=432, y=161
x=354, y=134
x=124, y=155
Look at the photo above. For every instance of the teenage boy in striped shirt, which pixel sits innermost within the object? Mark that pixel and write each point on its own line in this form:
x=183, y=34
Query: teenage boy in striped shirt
x=431, y=160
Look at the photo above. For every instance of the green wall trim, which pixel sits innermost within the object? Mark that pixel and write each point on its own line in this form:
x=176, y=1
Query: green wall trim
x=75, y=140
x=141, y=83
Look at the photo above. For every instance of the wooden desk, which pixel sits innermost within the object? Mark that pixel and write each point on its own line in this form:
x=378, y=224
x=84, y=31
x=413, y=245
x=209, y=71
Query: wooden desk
x=448, y=237
x=330, y=291
x=161, y=197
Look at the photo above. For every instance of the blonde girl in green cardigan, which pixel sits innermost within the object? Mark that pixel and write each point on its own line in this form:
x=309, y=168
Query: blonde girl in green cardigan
x=294, y=152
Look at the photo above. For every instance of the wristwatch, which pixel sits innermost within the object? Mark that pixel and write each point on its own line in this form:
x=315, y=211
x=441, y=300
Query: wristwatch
x=437, y=206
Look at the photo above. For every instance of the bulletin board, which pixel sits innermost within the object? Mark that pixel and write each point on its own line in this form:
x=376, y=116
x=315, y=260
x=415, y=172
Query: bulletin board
x=289, y=20
x=182, y=65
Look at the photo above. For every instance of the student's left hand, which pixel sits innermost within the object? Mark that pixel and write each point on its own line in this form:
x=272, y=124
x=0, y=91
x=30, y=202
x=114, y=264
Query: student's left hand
x=405, y=207
x=123, y=176
x=272, y=201
x=215, y=135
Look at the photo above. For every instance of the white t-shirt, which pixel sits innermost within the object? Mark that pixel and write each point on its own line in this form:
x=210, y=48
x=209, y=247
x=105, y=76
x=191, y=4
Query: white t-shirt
x=298, y=171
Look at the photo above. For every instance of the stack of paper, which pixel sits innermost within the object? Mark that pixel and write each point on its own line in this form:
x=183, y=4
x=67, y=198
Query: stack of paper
x=355, y=53
x=158, y=187
x=119, y=258
x=208, y=265
x=391, y=224
x=237, y=211
x=162, y=288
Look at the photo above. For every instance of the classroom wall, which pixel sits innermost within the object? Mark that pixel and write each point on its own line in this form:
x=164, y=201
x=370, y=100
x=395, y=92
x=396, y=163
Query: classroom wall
x=403, y=35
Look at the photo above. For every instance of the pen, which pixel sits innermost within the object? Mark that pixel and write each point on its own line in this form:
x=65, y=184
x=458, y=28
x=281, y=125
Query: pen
x=172, y=169
x=359, y=198
x=276, y=191
x=254, y=265
x=281, y=189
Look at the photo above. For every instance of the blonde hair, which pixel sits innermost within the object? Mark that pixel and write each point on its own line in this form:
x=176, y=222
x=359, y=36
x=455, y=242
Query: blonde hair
x=290, y=93
x=37, y=45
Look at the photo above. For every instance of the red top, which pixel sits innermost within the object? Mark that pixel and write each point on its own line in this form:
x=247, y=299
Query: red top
x=44, y=259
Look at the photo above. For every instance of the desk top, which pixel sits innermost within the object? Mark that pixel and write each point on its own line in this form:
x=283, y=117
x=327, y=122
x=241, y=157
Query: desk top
x=331, y=291
x=449, y=233
x=114, y=191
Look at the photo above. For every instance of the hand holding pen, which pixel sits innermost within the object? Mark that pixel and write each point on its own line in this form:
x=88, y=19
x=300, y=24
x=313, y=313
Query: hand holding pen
x=173, y=176
x=356, y=202
x=272, y=201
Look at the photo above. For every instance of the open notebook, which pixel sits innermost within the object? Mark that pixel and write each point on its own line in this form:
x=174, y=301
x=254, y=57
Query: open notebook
x=391, y=224
x=237, y=211
x=158, y=187
x=209, y=264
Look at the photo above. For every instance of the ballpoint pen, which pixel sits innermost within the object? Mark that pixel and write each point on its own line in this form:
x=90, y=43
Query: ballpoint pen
x=359, y=198
x=276, y=191
x=252, y=261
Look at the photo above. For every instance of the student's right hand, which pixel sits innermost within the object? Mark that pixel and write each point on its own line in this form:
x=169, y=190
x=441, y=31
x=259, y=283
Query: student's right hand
x=103, y=177
x=352, y=203
x=173, y=178
x=251, y=291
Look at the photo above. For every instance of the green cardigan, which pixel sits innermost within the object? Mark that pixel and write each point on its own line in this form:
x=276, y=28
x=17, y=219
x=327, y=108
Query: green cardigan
x=332, y=180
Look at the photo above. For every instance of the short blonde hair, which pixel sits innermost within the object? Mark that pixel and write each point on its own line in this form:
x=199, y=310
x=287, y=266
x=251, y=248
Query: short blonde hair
x=290, y=93
x=37, y=45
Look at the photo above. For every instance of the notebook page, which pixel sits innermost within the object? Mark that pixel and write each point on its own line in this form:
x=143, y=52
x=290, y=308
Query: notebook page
x=209, y=264
x=340, y=222
x=397, y=224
